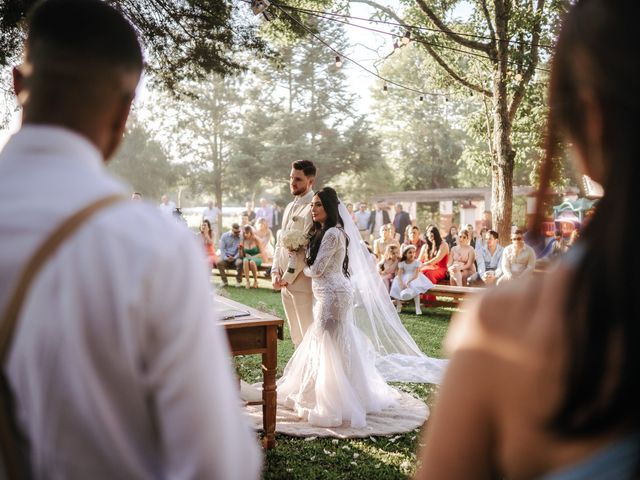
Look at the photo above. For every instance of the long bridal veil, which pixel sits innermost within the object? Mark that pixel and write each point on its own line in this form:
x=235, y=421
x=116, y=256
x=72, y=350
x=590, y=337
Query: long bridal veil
x=398, y=358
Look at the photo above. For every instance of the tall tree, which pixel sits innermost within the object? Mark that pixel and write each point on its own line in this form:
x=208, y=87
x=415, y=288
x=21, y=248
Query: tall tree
x=496, y=53
x=302, y=108
x=143, y=163
x=418, y=139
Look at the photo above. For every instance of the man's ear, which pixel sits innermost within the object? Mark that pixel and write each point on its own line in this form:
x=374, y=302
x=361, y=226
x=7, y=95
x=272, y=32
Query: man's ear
x=118, y=125
x=19, y=85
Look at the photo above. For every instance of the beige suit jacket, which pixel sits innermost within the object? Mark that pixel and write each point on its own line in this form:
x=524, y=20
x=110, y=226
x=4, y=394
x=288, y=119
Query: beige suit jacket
x=297, y=216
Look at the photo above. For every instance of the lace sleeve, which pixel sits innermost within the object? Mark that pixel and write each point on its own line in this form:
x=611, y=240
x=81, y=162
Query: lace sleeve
x=330, y=243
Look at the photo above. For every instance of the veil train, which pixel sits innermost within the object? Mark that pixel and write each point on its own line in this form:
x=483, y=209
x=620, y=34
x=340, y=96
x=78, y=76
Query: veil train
x=397, y=356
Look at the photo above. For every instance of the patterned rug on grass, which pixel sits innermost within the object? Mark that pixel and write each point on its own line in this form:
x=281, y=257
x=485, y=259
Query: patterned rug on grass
x=408, y=415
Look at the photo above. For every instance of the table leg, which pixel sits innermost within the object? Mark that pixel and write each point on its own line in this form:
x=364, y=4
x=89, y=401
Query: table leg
x=269, y=395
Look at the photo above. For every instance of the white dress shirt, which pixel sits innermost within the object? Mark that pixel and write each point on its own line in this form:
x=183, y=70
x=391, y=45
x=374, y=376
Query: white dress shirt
x=167, y=208
x=119, y=366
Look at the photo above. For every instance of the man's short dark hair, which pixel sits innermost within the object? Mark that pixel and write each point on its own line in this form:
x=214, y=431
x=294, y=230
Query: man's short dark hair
x=235, y=227
x=88, y=30
x=493, y=233
x=307, y=167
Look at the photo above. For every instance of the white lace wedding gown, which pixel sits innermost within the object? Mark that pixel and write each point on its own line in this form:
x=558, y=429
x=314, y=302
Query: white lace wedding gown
x=331, y=378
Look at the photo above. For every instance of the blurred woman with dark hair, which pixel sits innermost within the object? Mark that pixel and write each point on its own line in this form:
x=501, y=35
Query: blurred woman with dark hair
x=206, y=235
x=544, y=379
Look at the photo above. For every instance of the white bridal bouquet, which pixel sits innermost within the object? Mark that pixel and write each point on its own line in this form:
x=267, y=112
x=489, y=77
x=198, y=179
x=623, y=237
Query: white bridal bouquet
x=294, y=240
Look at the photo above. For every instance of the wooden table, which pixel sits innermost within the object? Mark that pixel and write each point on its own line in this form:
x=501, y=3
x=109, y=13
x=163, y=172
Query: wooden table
x=253, y=333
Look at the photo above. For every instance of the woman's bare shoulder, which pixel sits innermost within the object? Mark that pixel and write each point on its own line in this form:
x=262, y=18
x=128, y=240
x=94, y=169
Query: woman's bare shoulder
x=509, y=312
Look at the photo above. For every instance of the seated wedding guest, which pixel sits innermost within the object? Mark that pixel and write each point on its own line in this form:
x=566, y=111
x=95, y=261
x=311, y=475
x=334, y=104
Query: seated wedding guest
x=472, y=234
x=388, y=265
x=461, y=264
x=544, y=375
x=435, y=256
x=452, y=237
x=489, y=260
x=409, y=283
x=251, y=255
x=554, y=249
x=212, y=214
x=386, y=238
x=518, y=259
x=414, y=238
x=230, y=254
x=481, y=241
x=107, y=350
x=264, y=235
x=206, y=235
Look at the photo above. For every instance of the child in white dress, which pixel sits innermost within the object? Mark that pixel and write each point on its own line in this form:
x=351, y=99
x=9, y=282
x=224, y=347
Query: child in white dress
x=409, y=282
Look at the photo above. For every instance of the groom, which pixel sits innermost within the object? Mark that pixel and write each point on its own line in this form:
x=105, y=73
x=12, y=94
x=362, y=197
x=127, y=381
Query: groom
x=295, y=286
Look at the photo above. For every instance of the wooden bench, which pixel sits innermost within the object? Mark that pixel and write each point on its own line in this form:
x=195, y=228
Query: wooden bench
x=265, y=270
x=455, y=294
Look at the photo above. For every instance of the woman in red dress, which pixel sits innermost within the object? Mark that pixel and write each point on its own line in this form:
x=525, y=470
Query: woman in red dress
x=434, y=257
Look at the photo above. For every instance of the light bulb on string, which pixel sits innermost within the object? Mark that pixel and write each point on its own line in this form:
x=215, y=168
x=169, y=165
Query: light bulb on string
x=422, y=98
x=338, y=61
x=406, y=38
x=518, y=77
x=385, y=89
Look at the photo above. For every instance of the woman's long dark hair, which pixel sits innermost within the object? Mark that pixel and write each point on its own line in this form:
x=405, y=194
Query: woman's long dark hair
x=209, y=231
x=437, y=241
x=329, y=199
x=594, y=63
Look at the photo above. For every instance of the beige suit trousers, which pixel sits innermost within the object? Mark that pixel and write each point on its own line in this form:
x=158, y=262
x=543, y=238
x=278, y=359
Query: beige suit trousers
x=297, y=300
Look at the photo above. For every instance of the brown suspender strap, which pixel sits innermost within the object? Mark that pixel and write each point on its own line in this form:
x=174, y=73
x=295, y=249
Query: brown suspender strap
x=13, y=459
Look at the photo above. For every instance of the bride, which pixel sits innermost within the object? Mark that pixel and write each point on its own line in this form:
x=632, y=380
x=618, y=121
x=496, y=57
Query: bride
x=357, y=342
x=331, y=377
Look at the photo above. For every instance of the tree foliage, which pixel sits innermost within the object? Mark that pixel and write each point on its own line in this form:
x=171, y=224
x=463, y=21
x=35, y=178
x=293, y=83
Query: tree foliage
x=143, y=163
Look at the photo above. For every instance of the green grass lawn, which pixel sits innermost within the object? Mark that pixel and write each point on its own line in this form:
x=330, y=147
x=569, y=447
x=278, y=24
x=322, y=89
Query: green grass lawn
x=392, y=457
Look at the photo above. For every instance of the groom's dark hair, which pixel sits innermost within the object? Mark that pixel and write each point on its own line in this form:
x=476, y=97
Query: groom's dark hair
x=307, y=167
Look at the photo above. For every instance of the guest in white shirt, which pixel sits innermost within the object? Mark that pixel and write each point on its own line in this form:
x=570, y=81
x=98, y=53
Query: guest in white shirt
x=166, y=206
x=379, y=217
x=518, y=259
x=362, y=217
x=118, y=367
x=265, y=211
x=489, y=259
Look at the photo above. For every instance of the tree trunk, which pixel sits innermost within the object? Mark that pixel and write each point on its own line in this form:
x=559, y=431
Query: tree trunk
x=503, y=158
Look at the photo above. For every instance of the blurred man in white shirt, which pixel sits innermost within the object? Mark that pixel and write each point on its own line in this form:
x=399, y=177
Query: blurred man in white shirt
x=118, y=367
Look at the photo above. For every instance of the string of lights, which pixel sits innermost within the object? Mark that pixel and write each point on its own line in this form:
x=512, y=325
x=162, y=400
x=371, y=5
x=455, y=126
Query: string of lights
x=406, y=38
x=340, y=56
x=415, y=27
x=262, y=6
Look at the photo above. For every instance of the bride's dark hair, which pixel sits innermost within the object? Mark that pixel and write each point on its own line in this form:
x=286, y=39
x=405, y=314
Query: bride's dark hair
x=329, y=199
